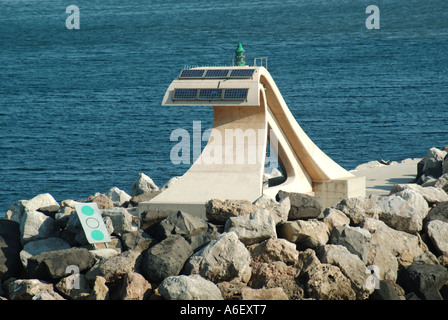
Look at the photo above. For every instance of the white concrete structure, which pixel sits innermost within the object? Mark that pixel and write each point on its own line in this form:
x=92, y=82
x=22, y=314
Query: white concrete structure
x=248, y=104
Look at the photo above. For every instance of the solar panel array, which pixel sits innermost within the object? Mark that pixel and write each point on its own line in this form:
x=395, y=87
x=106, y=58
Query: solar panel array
x=216, y=73
x=210, y=94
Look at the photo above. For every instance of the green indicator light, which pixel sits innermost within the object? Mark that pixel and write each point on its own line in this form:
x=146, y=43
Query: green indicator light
x=97, y=235
x=87, y=210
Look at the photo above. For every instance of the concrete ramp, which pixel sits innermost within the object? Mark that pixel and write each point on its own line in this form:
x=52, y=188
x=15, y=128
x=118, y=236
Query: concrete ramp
x=249, y=112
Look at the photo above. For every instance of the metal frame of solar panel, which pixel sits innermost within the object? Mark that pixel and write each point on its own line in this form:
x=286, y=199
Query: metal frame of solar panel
x=185, y=94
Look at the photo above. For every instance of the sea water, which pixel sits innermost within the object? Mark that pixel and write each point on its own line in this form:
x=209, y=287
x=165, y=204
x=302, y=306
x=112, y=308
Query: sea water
x=80, y=109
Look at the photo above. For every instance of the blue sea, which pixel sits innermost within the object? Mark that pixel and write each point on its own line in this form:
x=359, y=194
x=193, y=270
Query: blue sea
x=80, y=109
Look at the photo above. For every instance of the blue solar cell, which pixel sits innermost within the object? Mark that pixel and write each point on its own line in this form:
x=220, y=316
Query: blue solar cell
x=242, y=73
x=235, y=94
x=217, y=73
x=210, y=94
x=195, y=73
x=185, y=94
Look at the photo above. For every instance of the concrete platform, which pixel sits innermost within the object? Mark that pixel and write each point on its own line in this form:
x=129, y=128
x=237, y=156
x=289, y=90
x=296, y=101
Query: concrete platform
x=380, y=179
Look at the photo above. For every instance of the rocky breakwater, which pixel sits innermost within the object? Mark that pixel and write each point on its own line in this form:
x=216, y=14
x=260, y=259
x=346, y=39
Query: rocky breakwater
x=392, y=247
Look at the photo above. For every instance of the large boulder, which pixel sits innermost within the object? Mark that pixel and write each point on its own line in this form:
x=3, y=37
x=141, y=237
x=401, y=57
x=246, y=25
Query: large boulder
x=355, y=239
x=438, y=233
x=303, y=206
x=327, y=282
x=166, y=258
x=279, y=210
x=56, y=264
x=404, y=210
x=118, y=196
x=274, y=249
x=35, y=225
x=222, y=259
x=180, y=223
x=423, y=278
x=433, y=162
x=305, y=233
x=406, y=247
x=37, y=247
x=143, y=184
x=358, y=208
x=17, y=209
x=254, y=227
x=432, y=195
x=192, y=287
x=10, y=247
x=115, y=267
x=218, y=211
x=277, y=274
x=439, y=212
x=135, y=287
x=121, y=220
x=351, y=266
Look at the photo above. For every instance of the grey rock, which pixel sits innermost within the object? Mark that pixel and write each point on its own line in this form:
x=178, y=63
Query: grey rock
x=433, y=162
x=254, y=227
x=432, y=195
x=305, y=233
x=35, y=225
x=406, y=247
x=115, y=268
x=355, y=239
x=359, y=208
x=10, y=247
x=334, y=217
x=439, y=212
x=192, y=287
x=37, y=247
x=442, y=182
x=136, y=240
x=438, y=233
x=303, y=206
x=351, y=266
x=121, y=220
x=404, y=210
x=180, y=223
x=118, y=196
x=386, y=291
x=166, y=258
x=279, y=210
x=419, y=278
x=222, y=259
x=53, y=264
x=143, y=184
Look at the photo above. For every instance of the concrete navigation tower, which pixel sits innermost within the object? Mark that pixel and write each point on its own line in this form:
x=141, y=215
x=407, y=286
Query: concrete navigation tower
x=249, y=111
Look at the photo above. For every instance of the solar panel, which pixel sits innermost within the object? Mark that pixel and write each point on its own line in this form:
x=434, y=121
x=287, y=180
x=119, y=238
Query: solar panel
x=195, y=73
x=217, y=73
x=235, y=94
x=185, y=94
x=210, y=94
x=242, y=73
